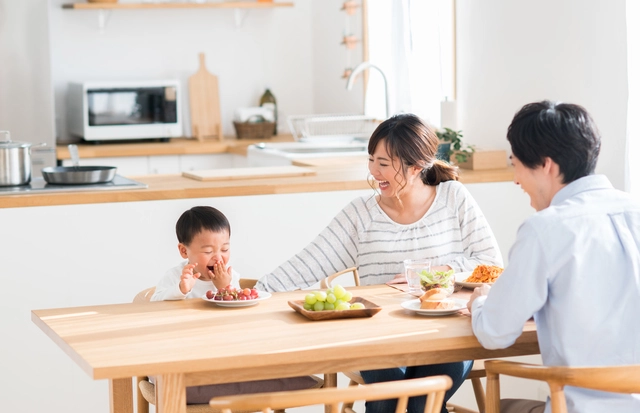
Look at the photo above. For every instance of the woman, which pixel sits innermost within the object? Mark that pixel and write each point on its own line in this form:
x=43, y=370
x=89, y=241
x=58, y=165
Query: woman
x=419, y=211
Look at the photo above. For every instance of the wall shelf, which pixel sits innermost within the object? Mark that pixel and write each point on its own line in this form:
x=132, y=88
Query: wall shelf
x=136, y=6
x=241, y=8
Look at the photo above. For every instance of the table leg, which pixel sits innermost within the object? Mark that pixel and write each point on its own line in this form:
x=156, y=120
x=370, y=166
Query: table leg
x=171, y=394
x=120, y=396
x=330, y=380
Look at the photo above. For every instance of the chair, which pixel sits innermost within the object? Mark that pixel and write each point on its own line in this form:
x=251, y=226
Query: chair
x=146, y=391
x=616, y=379
x=477, y=372
x=326, y=282
x=355, y=379
x=433, y=387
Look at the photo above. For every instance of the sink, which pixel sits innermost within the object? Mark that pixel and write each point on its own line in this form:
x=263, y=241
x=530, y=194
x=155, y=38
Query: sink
x=282, y=153
x=328, y=150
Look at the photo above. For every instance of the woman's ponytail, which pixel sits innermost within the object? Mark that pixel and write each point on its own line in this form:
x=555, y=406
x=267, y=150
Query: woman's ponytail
x=439, y=172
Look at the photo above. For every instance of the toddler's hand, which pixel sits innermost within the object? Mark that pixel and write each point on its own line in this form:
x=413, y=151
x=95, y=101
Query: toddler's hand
x=188, y=278
x=221, y=276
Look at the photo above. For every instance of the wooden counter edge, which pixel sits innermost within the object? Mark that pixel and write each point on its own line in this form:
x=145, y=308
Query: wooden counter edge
x=183, y=188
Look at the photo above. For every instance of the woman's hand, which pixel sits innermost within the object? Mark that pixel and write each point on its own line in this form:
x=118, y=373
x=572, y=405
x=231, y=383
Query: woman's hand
x=221, y=276
x=188, y=278
x=398, y=279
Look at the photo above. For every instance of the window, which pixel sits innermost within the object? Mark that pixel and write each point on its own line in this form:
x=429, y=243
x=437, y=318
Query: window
x=412, y=42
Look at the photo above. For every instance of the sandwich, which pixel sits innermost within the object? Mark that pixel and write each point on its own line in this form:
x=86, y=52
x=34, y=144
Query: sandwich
x=436, y=299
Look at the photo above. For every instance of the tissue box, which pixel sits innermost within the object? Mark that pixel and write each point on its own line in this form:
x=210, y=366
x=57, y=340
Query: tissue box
x=484, y=159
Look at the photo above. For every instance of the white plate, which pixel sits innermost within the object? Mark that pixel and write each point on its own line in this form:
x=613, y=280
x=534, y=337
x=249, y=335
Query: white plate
x=414, y=305
x=461, y=276
x=262, y=295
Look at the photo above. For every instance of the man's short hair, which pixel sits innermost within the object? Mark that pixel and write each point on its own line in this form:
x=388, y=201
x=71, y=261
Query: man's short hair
x=564, y=132
x=199, y=218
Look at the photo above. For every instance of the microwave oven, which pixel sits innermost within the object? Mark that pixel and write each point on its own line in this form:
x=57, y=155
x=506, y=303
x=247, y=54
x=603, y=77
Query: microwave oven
x=102, y=111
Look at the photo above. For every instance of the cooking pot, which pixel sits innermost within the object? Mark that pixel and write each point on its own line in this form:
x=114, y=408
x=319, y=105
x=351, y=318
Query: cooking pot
x=15, y=161
x=78, y=175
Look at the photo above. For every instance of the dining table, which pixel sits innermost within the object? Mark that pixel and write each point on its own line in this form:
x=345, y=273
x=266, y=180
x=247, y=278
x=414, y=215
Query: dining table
x=196, y=342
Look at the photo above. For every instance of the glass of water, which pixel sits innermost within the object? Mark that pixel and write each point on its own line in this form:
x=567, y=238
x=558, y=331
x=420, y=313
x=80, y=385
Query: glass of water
x=412, y=271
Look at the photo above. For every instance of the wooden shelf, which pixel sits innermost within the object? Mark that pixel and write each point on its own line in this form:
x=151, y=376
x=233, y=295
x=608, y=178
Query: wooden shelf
x=132, y=6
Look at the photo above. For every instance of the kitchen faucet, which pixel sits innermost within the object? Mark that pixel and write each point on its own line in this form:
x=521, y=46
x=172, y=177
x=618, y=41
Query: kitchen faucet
x=367, y=65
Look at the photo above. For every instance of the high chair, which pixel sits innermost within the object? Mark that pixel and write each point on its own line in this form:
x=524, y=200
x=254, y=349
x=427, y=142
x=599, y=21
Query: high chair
x=146, y=390
x=433, y=387
x=616, y=379
x=355, y=379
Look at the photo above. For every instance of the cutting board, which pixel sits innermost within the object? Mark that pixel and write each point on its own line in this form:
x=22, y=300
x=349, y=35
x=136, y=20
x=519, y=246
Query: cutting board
x=204, y=104
x=248, y=173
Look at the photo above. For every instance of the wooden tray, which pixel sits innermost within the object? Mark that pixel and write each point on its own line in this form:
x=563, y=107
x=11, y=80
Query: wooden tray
x=369, y=310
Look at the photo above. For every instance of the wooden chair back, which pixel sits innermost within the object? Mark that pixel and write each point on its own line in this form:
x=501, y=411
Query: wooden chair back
x=247, y=282
x=144, y=296
x=616, y=379
x=433, y=387
x=326, y=282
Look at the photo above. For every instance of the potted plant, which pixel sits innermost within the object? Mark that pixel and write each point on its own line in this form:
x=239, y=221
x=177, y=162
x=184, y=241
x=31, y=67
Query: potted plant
x=451, y=144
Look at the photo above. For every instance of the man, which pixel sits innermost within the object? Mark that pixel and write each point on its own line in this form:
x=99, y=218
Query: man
x=575, y=264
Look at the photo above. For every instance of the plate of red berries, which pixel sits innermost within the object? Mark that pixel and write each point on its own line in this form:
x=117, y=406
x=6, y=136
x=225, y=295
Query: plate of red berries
x=236, y=297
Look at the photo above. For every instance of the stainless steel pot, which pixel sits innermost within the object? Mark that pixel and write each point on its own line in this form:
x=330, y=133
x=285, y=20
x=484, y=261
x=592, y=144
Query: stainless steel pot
x=15, y=161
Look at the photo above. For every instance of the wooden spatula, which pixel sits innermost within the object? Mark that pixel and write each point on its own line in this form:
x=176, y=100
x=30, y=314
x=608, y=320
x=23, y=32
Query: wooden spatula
x=205, y=103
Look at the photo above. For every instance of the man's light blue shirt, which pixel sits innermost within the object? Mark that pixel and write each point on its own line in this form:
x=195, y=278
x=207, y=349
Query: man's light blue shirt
x=574, y=267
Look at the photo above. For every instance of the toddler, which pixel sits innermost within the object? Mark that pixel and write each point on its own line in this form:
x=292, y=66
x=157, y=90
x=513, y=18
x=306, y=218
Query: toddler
x=203, y=240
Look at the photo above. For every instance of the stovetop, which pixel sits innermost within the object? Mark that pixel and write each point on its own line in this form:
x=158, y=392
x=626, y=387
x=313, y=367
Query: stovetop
x=39, y=185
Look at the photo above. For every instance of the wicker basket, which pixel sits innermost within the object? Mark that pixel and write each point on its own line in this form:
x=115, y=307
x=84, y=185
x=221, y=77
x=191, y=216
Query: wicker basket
x=254, y=130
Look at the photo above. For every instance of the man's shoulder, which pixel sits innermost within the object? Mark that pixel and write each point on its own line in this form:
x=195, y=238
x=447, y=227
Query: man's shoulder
x=584, y=207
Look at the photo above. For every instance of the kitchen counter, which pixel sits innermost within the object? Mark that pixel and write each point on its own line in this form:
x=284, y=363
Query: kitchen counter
x=177, y=146
x=165, y=187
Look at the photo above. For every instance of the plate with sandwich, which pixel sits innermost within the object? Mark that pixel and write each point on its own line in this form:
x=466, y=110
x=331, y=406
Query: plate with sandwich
x=435, y=302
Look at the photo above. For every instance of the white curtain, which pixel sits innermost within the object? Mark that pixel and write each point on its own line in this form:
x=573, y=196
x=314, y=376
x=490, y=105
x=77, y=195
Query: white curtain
x=632, y=172
x=412, y=42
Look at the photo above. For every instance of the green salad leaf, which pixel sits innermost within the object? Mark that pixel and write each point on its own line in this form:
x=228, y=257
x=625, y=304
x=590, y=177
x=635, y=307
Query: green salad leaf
x=443, y=279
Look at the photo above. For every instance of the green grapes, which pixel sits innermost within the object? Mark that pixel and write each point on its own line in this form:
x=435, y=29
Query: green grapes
x=310, y=299
x=334, y=298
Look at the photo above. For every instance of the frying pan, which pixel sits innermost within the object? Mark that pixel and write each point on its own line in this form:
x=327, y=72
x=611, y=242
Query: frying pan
x=78, y=175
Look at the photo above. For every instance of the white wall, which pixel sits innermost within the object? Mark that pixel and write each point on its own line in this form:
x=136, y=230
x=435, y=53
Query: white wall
x=515, y=52
x=65, y=256
x=271, y=48
x=26, y=100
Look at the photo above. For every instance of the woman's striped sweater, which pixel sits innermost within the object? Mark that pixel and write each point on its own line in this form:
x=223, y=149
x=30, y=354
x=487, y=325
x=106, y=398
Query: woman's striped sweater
x=453, y=232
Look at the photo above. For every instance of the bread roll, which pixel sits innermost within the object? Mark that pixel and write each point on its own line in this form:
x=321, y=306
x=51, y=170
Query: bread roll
x=434, y=294
x=444, y=304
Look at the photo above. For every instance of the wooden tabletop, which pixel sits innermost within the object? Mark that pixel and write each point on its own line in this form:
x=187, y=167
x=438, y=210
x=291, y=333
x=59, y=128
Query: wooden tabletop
x=265, y=340
x=195, y=342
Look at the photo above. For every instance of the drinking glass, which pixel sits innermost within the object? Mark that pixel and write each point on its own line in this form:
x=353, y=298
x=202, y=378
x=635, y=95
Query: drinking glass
x=412, y=271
